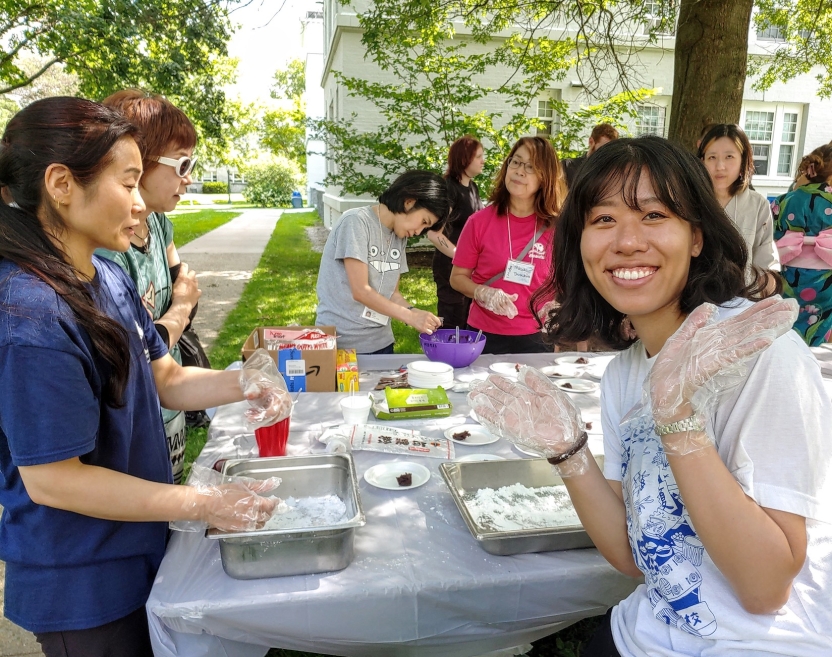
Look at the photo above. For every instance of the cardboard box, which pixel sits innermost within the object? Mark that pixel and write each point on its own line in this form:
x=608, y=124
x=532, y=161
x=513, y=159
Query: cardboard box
x=319, y=363
x=346, y=370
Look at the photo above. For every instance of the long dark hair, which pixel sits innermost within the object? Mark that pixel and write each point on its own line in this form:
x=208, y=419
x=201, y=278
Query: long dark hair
x=80, y=135
x=681, y=182
x=460, y=155
x=740, y=139
x=549, y=196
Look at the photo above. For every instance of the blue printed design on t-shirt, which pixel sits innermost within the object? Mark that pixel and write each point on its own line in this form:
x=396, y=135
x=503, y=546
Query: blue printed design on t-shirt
x=665, y=546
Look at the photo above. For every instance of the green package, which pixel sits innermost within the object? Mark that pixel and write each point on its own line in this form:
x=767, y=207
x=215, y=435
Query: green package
x=412, y=403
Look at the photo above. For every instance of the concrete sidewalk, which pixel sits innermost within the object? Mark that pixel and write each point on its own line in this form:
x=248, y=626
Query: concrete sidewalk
x=224, y=260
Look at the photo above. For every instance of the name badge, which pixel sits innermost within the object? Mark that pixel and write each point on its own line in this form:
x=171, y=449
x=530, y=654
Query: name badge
x=520, y=272
x=375, y=317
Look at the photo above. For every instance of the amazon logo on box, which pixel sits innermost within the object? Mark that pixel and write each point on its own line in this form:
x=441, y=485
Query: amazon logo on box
x=319, y=361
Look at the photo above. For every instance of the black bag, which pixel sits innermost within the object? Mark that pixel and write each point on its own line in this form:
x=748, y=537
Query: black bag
x=190, y=348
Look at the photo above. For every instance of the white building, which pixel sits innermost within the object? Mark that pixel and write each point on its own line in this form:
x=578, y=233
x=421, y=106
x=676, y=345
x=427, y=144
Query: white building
x=783, y=123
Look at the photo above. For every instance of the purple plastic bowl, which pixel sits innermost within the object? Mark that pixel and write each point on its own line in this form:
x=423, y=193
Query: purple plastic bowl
x=442, y=347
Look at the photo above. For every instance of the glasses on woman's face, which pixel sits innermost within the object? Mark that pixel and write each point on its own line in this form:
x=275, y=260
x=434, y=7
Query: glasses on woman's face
x=183, y=166
x=514, y=163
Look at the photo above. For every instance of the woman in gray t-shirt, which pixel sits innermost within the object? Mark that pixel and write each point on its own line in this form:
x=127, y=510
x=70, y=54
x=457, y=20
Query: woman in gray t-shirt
x=358, y=281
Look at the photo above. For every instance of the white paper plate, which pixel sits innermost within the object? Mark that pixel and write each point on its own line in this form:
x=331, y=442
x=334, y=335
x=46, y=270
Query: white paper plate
x=505, y=369
x=480, y=457
x=576, y=385
x=479, y=435
x=573, y=360
x=563, y=371
x=528, y=452
x=595, y=429
x=384, y=475
x=597, y=366
x=470, y=377
x=414, y=382
x=430, y=368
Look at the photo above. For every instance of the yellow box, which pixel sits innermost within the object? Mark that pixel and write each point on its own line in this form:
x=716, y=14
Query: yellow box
x=346, y=370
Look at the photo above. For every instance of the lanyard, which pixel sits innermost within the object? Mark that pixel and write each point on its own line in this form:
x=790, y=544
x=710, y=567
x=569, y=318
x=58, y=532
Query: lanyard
x=508, y=223
x=386, y=254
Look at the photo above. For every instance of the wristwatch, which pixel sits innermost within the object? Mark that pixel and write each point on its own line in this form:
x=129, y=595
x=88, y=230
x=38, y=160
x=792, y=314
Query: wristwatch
x=691, y=423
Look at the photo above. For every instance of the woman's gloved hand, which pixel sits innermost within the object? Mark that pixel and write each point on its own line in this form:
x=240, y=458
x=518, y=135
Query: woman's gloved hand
x=235, y=506
x=705, y=358
x=265, y=390
x=495, y=300
x=534, y=414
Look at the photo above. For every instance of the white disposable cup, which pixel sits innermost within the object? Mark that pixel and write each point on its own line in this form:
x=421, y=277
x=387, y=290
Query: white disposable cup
x=356, y=409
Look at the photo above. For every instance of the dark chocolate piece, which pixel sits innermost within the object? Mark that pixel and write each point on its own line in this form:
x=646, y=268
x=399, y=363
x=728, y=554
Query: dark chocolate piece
x=588, y=425
x=461, y=435
x=582, y=361
x=405, y=479
x=566, y=385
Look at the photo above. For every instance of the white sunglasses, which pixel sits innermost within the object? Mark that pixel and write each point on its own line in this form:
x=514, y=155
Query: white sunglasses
x=183, y=166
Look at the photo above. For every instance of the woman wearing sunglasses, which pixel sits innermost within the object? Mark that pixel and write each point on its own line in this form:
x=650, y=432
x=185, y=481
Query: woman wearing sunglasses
x=167, y=287
x=503, y=253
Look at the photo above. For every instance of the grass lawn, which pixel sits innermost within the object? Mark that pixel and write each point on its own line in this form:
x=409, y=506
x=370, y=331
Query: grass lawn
x=282, y=291
x=190, y=225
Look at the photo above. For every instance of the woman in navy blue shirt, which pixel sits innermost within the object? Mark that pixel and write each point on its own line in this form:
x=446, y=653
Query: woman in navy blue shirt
x=85, y=478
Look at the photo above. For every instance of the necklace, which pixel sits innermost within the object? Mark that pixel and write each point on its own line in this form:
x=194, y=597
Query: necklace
x=146, y=239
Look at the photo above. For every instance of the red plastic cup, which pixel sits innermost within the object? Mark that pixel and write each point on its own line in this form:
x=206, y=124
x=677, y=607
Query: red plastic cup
x=271, y=440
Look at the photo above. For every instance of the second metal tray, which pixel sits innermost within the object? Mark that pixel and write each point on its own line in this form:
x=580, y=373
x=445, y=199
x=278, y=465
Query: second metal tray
x=468, y=477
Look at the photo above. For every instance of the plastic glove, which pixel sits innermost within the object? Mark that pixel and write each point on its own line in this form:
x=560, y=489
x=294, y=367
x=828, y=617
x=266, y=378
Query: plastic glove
x=264, y=388
x=237, y=505
x=704, y=359
x=534, y=414
x=228, y=503
x=495, y=300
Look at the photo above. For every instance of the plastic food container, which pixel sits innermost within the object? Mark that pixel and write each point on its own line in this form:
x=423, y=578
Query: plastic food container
x=443, y=347
x=280, y=552
x=464, y=478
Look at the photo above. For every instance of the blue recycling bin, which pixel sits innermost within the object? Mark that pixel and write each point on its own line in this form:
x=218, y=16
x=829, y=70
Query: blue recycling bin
x=297, y=200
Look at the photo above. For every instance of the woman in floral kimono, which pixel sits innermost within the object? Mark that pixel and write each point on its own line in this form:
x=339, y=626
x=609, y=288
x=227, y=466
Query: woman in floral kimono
x=803, y=232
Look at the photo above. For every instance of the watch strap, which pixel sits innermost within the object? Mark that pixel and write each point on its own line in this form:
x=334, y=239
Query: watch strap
x=691, y=423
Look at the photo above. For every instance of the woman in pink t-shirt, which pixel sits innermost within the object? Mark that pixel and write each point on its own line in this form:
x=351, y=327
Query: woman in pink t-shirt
x=503, y=254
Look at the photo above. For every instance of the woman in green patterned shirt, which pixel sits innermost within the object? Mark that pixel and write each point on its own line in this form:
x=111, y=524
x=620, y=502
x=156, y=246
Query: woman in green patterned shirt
x=167, y=287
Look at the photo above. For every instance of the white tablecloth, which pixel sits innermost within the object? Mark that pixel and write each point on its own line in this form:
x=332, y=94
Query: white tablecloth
x=419, y=583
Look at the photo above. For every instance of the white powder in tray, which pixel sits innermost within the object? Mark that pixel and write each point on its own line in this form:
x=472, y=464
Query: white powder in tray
x=308, y=513
x=518, y=507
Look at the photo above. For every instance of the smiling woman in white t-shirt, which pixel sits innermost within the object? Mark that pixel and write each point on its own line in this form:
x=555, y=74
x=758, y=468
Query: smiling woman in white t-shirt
x=717, y=479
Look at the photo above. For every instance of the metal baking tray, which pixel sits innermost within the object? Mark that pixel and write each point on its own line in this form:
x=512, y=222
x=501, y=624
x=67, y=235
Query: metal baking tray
x=280, y=552
x=468, y=477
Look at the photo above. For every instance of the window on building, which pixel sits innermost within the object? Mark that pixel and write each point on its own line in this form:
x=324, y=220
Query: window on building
x=650, y=120
x=774, y=131
x=657, y=22
x=208, y=176
x=770, y=33
x=236, y=177
x=547, y=114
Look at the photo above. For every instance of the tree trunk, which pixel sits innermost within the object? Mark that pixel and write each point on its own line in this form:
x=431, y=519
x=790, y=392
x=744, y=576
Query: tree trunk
x=709, y=66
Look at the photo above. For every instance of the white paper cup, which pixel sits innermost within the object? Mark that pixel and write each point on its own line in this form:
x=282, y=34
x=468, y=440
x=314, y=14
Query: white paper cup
x=356, y=409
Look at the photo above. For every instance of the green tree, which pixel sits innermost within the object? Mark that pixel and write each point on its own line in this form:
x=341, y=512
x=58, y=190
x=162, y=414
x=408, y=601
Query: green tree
x=439, y=93
x=176, y=48
x=603, y=40
x=283, y=130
